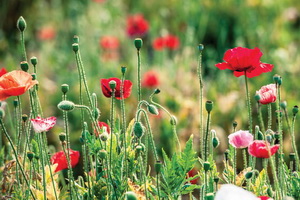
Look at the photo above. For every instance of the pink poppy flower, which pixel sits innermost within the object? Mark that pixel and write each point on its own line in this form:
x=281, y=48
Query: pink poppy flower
x=240, y=139
x=259, y=149
x=61, y=159
x=43, y=125
x=267, y=94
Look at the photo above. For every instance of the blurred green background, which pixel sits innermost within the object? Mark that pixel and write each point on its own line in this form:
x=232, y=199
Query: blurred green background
x=271, y=25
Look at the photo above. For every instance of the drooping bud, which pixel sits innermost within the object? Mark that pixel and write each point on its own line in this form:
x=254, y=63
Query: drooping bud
x=157, y=166
x=30, y=155
x=24, y=66
x=295, y=110
x=62, y=137
x=24, y=117
x=21, y=24
x=249, y=175
x=270, y=192
x=200, y=47
x=138, y=43
x=130, y=196
x=138, y=129
x=209, y=106
x=152, y=109
x=66, y=105
x=102, y=154
x=65, y=88
x=112, y=84
x=34, y=60
x=96, y=113
x=75, y=47
x=206, y=166
x=173, y=120
x=156, y=91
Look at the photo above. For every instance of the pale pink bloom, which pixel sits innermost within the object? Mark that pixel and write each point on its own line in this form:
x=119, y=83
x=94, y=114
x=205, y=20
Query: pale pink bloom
x=240, y=139
x=232, y=192
x=267, y=94
x=43, y=125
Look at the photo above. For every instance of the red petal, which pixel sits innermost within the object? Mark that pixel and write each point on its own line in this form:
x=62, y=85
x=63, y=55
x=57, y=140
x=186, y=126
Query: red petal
x=223, y=66
x=262, y=68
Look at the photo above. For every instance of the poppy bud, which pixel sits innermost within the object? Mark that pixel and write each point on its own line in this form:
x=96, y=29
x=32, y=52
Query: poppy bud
x=234, y=124
x=206, y=166
x=65, y=88
x=156, y=91
x=104, y=136
x=276, y=78
x=260, y=135
x=269, y=138
x=139, y=148
x=215, y=142
x=33, y=60
x=200, y=47
x=157, y=166
x=152, y=109
x=249, y=175
x=138, y=129
x=30, y=155
x=75, y=47
x=24, y=66
x=173, y=120
x=76, y=39
x=16, y=103
x=102, y=153
x=66, y=105
x=292, y=156
x=24, y=117
x=226, y=154
x=283, y=105
x=138, y=43
x=62, y=137
x=209, y=106
x=2, y=113
x=96, y=113
x=280, y=81
x=112, y=84
x=209, y=196
x=21, y=24
x=295, y=110
x=123, y=69
x=216, y=179
x=269, y=192
x=130, y=196
x=257, y=97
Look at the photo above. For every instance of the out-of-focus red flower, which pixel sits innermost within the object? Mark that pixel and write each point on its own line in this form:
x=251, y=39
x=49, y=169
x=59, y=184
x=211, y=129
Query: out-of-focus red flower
x=43, y=125
x=99, y=1
x=46, y=33
x=193, y=172
x=158, y=44
x=267, y=94
x=61, y=159
x=150, y=79
x=109, y=42
x=243, y=60
x=264, y=198
x=127, y=86
x=103, y=124
x=259, y=149
x=137, y=25
x=240, y=139
x=15, y=83
x=2, y=71
x=172, y=42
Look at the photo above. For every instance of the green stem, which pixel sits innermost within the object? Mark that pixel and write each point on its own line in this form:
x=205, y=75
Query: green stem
x=260, y=118
x=245, y=158
x=43, y=165
x=234, y=166
x=206, y=137
x=199, y=72
x=294, y=143
x=269, y=116
x=23, y=46
x=139, y=74
x=112, y=110
x=248, y=103
x=157, y=185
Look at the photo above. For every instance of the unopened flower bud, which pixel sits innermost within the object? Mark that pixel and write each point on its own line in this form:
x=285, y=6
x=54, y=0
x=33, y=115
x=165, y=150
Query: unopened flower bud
x=216, y=179
x=96, y=113
x=200, y=47
x=280, y=81
x=215, y=142
x=112, y=84
x=295, y=110
x=62, y=137
x=226, y=153
x=249, y=175
x=138, y=43
x=234, y=124
x=173, y=120
x=76, y=39
x=21, y=24
x=130, y=196
x=283, y=105
x=270, y=192
x=209, y=106
x=16, y=103
x=276, y=78
x=75, y=47
x=138, y=129
x=156, y=91
x=157, y=166
x=292, y=156
x=34, y=60
x=209, y=196
x=152, y=109
x=260, y=135
x=24, y=66
x=102, y=154
x=269, y=138
x=104, y=136
x=206, y=166
x=30, y=155
x=123, y=69
x=66, y=105
x=24, y=117
x=65, y=88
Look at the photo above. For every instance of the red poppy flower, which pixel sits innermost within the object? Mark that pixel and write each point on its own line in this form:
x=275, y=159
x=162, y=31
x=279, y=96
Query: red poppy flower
x=109, y=42
x=267, y=94
x=107, y=91
x=259, y=149
x=2, y=71
x=264, y=198
x=172, y=42
x=103, y=124
x=43, y=125
x=137, y=26
x=15, y=83
x=46, y=33
x=158, y=44
x=193, y=172
x=61, y=160
x=243, y=60
x=150, y=79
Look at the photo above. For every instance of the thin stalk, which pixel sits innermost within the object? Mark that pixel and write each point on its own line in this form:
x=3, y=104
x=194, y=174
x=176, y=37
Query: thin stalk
x=234, y=166
x=112, y=121
x=157, y=185
x=206, y=136
x=24, y=56
x=139, y=74
x=294, y=143
x=43, y=164
x=245, y=158
x=199, y=72
x=269, y=116
x=248, y=103
x=260, y=118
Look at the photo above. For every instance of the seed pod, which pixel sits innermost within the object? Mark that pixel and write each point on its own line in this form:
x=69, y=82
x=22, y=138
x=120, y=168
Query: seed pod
x=75, y=47
x=112, y=84
x=200, y=47
x=157, y=166
x=65, y=88
x=123, y=69
x=209, y=196
x=66, y=105
x=24, y=66
x=138, y=43
x=30, y=155
x=62, y=137
x=34, y=60
x=295, y=110
x=209, y=106
x=206, y=166
x=292, y=156
x=24, y=117
x=104, y=136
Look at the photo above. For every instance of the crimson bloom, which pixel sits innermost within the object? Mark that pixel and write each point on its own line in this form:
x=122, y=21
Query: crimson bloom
x=172, y=42
x=193, y=172
x=240, y=139
x=137, y=25
x=150, y=79
x=158, y=44
x=267, y=94
x=259, y=149
x=244, y=61
x=102, y=125
x=43, y=125
x=109, y=42
x=61, y=160
x=2, y=71
x=264, y=198
x=15, y=83
x=127, y=86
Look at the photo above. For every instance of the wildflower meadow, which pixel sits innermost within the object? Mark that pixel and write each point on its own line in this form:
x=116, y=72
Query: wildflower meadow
x=174, y=100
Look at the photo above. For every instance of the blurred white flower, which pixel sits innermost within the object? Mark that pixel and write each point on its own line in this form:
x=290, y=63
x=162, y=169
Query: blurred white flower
x=232, y=192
